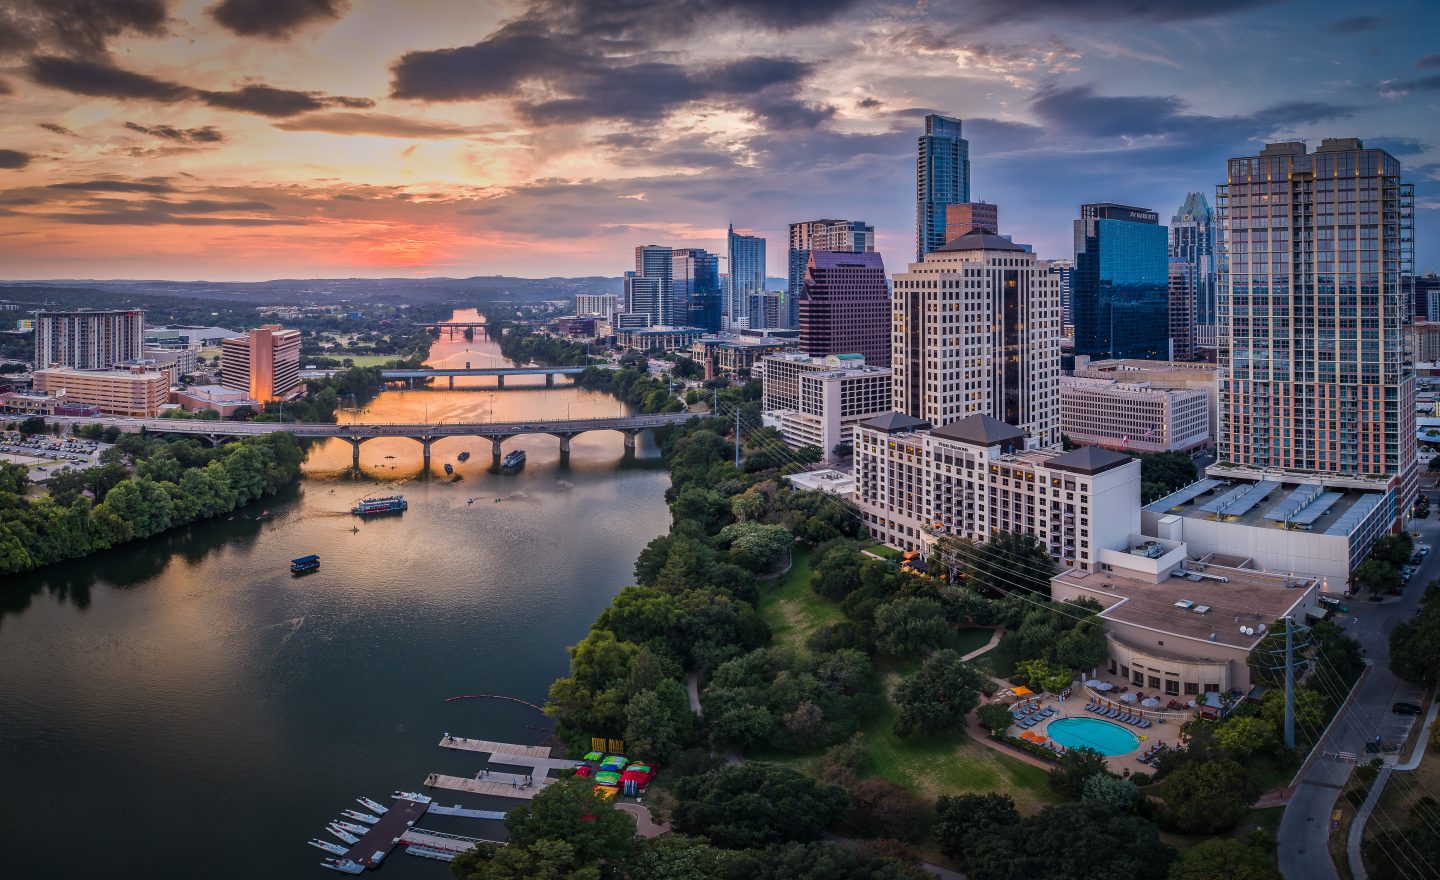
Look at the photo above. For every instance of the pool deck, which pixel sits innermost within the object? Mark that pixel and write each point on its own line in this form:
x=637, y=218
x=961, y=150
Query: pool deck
x=1161, y=729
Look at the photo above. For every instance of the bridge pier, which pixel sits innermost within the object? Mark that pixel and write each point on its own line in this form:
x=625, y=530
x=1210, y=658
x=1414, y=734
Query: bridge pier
x=501, y=381
x=354, y=451
x=630, y=441
x=497, y=451
x=549, y=380
x=452, y=383
x=425, y=450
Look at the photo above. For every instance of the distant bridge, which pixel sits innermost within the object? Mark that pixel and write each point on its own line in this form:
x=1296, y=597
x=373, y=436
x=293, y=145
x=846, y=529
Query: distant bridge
x=452, y=326
x=498, y=372
x=217, y=432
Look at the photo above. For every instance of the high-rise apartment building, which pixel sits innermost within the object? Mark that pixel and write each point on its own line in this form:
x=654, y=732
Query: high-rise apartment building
x=1120, y=295
x=747, y=274
x=767, y=310
x=89, y=339
x=597, y=305
x=265, y=362
x=1313, y=306
x=965, y=216
x=695, y=274
x=819, y=235
x=942, y=178
x=1182, y=310
x=845, y=306
x=1192, y=242
x=976, y=331
x=1427, y=296
x=650, y=289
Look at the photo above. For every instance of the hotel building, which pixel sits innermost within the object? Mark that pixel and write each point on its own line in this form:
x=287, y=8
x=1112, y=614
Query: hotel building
x=137, y=391
x=1133, y=416
x=265, y=363
x=819, y=401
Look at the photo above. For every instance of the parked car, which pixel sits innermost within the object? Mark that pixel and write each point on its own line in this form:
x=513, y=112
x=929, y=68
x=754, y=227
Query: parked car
x=1406, y=709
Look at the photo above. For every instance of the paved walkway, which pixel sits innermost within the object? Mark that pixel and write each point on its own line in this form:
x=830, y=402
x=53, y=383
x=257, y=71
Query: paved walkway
x=644, y=825
x=994, y=640
x=1353, y=849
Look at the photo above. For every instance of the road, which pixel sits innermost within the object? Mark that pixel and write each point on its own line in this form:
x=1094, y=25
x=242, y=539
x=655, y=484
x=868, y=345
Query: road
x=1305, y=826
x=220, y=428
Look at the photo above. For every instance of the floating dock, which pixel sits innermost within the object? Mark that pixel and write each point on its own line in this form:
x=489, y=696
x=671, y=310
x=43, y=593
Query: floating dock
x=512, y=786
x=458, y=810
x=385, y=834
x=494, y=748
x=498, y=783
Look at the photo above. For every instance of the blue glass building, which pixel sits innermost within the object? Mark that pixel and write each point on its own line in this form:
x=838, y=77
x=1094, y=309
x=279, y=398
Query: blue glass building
x=1120, y=293
x=942, y=178
x=746, y=254
x=698, y=298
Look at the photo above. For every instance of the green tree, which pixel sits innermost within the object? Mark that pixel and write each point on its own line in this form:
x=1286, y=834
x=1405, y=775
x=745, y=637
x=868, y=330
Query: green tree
x=33, y=425
x=880, y=808
x=659, y=722
x=1415, y=646
x=743, y=806
x=960, y=820
x=1244, y=735
x=1205, y=797
x=567, y=832
x=679, y=857
x=755, y=546
x=937, y=697
x=1110, y=791
x=1224, y=858
x=1083, y=841
x=1074, y=769
x=995, y=717
x=591, y=700
x=1377, y=576
x=909, y=625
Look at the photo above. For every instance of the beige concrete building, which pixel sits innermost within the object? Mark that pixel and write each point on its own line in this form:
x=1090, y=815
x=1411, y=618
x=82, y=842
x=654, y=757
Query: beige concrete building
x=1133, y=416
x=819, y=401
x=726, y=354
x=1181, y=375
x=265, y=363
x=915, y=484
x=136, y=391
x=1180, y=628
x=976, y=331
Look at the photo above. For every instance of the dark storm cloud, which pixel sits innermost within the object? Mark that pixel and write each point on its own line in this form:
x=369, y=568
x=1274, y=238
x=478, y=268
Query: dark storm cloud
x=1080, y=111
x=158, y=217
x=1427, y=61
x=274, y=19
x=1354, y=24
x=1110, y=11
x=1423, y=84
x=375, y=124
x=205, y=134
x=58, y=129
x=102, y=79
x=206, y=206
x=79, y=26
x=1399, y=146
x=153, y=185
x=570, y=87
x=666, y=17
x=14, y=159
x=6, y=88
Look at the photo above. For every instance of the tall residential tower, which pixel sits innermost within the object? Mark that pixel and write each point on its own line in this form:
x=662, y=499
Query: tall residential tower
x=1312, y=308
x=942, y=178
x=746, y=255
x=89, y=339
x=1192, y=244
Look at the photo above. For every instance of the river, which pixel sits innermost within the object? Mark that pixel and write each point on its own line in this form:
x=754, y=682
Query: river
x=184, y=707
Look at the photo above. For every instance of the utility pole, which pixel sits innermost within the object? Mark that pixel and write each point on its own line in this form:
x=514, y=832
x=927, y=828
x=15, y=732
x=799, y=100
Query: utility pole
x=737, y=435
x=1289, y=683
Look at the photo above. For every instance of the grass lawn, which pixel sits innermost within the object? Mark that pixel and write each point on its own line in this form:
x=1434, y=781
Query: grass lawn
x=884, y=551
x=972, y=638
x=791, y=608
x=1000, y=660
x=927, y=765
x=363, y=360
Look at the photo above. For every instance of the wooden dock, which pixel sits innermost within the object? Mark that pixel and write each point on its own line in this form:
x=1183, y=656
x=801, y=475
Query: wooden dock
x=510, y=785
x=494, y=748
x=385, y=834
x=458, y=810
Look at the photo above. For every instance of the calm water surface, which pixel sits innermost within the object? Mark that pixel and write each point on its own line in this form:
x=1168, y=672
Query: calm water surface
x=183, y=707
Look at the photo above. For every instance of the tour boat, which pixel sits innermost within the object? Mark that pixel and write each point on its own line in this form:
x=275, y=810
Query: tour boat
x=411, y=796
x=351, y=827
x=449, y=468
x=514, y=459
x=372, y=806
x=342, y=834
x=360, y=817
x=329, y=847
x=385, y=504
x=344, y=866
x=464, y=456
x=304, y=564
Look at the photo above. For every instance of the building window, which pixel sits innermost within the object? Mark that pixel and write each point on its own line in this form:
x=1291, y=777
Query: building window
x=1212, y=688
x=1124, y=670
x=1172, y=688
x=1191, y=688
x=1138, y=677
x=1154, y=681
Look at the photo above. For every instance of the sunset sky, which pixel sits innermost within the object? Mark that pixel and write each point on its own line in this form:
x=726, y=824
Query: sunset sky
x=254, y=139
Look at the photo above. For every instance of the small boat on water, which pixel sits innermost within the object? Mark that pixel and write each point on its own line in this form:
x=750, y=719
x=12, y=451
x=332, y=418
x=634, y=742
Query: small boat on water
x=342, y=834
x=411, y=796
x=344, y=866
x=513, y=460
x=464, y=456
x=329, y=847
x=360, y=817
x=382, y=504
x=352, y=827
x=304, y=564
x=449, y=468
x=373, y=806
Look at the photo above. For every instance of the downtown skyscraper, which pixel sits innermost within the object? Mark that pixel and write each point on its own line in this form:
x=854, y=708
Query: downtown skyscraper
x=746, y=255
x=847, y=236
x=975, y=330
x=942, y=178
x=695, y=276
x=649, y=290
x=1120, y=295
x=1193, y=273
x=845, y=307
x=1312, y=308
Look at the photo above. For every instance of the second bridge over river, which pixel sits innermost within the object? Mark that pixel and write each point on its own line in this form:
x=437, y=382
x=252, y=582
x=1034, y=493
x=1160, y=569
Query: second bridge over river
x=356, y=434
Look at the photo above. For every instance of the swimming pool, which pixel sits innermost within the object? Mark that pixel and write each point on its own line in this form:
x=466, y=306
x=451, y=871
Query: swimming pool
x=1102, y=736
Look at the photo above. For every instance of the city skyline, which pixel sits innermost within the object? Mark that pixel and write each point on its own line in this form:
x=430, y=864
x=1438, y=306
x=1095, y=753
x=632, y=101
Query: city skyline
x=187, y=140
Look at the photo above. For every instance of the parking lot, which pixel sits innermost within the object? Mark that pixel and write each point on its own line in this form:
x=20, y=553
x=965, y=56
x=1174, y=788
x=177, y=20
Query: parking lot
x=44, y=455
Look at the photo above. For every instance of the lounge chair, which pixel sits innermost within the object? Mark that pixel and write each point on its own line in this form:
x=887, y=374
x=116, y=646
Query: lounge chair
x=1144, y=723
x=1113, y=713
x=1091, y=708
x=1124, y=718
x=1047, y=712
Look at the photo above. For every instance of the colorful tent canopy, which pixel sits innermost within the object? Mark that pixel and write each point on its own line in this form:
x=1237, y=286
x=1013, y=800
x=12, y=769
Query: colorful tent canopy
x=1021, y=691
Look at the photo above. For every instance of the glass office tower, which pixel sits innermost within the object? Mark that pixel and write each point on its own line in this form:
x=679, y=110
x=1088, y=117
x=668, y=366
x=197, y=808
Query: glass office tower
x=1192, y=242
x=746, y=254
x=942, y=178
x=696, y=278
x=849, y=236
x=1315, y=253
x=1120, y=289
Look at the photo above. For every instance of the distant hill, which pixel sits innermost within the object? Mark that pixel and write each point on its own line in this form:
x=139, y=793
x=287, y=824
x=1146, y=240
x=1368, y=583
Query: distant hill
x=320, y=290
